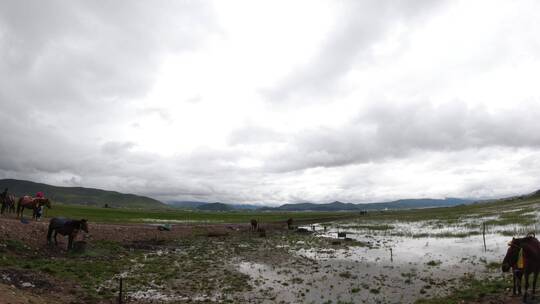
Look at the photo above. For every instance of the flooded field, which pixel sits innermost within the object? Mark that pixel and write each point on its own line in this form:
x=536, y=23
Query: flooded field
x=382, y=268
x=396, y=261
x=410, y=256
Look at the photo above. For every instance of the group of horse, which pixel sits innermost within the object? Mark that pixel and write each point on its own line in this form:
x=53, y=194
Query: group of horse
x=24, y=202
x=66, y=227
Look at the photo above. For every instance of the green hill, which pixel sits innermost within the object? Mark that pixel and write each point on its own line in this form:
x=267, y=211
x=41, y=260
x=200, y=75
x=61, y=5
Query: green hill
x=215, y=207
x=80, y=195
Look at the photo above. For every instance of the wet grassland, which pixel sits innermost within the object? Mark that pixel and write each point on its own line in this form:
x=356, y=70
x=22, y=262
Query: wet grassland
x=204, y=267
x=410, y=256
x=179, y=216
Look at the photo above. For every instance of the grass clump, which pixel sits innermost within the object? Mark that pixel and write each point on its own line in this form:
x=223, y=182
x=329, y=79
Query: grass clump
x=475, y=290
x=434, y=263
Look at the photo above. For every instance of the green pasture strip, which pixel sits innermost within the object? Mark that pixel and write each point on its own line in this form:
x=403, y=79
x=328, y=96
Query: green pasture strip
x=120, y=215
x=520, y=214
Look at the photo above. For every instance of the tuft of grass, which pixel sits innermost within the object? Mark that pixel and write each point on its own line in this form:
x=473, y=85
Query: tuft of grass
x=434, y=263
x=474, y=290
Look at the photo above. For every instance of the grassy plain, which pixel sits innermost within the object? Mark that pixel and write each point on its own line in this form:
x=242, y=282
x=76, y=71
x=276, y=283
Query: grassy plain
x=201, y=263
x=124, y=215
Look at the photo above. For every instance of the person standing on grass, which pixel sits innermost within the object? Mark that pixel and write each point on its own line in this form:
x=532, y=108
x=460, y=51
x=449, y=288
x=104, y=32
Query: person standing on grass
x=39, y=211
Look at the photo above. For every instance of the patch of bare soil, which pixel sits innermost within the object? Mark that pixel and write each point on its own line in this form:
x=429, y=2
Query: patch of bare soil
x=13, y=295
x=34, y=234
x=26, y=286
x=500, y=299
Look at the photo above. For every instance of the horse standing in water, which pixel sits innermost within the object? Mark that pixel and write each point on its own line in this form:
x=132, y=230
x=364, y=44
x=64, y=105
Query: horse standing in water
x=31, y=203
x=8, y=204
x=66, y=227
x=530, y=250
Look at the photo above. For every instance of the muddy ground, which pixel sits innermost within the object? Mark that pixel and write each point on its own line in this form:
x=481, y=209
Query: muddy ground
x=190, y=264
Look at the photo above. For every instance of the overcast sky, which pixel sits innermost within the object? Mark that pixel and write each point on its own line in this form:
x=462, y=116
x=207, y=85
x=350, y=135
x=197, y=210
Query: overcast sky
x=273, y=102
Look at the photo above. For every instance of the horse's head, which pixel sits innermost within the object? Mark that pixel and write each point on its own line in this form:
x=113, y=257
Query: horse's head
x=42, y=202
x=46, y=202
x=84, y=225
x=512, y=255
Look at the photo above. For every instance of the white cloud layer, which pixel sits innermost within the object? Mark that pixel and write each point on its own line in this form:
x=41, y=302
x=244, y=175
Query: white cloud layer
x=273, y=101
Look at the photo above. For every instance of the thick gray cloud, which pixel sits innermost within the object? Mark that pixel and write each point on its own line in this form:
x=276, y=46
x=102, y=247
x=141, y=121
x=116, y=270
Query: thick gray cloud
x=390, y=130
x=81, y=55
x=89, y=96
x=357, y=30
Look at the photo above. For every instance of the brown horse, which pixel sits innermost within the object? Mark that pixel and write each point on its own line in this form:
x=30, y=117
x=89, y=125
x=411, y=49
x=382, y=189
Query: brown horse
x=530, y=247
x=254, y=225
x=289, y=223
x=66, y=227
x=8, y=204
x=512, y=261
x=31, y=203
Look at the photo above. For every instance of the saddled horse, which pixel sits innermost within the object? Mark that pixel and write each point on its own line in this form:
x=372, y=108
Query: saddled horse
x=65, y=227
x=530, y=250
x=33, y=203
x=8, y=204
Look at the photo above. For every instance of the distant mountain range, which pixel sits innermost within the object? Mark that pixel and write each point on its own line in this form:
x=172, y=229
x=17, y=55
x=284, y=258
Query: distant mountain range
x=80, y=195
x=190, y=205
x=334, y=206
x=215, y=207
x=97, y=197
x=399, y=204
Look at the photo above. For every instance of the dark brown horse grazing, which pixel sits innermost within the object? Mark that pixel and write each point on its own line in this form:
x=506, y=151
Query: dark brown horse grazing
x=66, y=227
x=531, y=260
x=8, y=204
x=289, y=223
x=31, y=203
x=254, y=225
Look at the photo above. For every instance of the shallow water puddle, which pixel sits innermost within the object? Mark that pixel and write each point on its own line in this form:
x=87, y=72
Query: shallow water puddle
x=388, y=269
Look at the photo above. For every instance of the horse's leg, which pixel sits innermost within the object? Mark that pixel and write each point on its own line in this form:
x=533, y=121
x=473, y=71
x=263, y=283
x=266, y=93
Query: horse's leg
x=514, y=280
x=49, y=234
x=535, y=276
x=519, y=277
x=55, y=240
x=70, y=242
x=526, y=286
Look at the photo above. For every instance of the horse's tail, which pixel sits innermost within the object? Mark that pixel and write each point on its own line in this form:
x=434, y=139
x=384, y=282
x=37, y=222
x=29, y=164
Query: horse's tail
x=49, y=233
x=19, y=205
